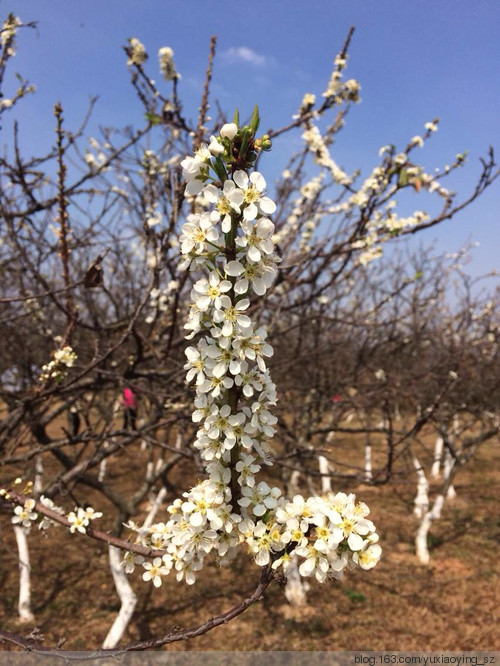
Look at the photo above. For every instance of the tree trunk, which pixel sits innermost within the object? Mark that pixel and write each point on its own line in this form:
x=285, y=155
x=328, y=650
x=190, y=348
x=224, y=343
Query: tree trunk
x=24, y=605
x=127, y=597
x=421, y=502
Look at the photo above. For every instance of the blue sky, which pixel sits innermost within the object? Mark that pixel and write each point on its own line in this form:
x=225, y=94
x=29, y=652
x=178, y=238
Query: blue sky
x=415, y=60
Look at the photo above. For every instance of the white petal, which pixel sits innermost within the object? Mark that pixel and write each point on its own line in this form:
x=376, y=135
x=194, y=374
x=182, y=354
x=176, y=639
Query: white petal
x=234, y=268
x=211, y=193
x=355, y=542
x=220, y=369
x=241, y=287
x=243, y=304
x=244, y=321
x=262, y=558
x=194, y=187
x=258, y=180
x=250, y=212
x=307, y=567
x=254, y=254
x=265, y=227
x=226, y=224
x=267, y=205
x=259, y=286
x=229, y=130
x=203, y=303
x=241, y=179
x=234, y=367
x=213, y=279
x=236, y=198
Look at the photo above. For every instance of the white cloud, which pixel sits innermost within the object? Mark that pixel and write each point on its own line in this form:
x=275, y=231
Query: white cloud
x=244, y=54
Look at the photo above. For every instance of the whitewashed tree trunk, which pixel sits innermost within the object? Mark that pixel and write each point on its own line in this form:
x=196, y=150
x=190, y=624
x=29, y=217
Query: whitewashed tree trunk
x=421, y=502
x=368, y=462
x=127, y=597
x=154, y=508
x=449, y=463
x=294, y=481
x=102, y=466
x=421, y=546
x=438, y=454
x=38, y=485
x=324, y=468
x=368, y=448
x=296, y=588
x=24, y=604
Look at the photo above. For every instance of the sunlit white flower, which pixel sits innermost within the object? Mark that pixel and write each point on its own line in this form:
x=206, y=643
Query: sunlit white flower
x=167, y=66
x=24, y=515
x=208, y=292
x=227, y=203
x=138, y=54
x=155, y=570
x=257, y=239
x=196, y=233
x=130, y=560
x=252, y=186
x=247, y=468
x=261, y=498
x=368, y=557
x=232, y=318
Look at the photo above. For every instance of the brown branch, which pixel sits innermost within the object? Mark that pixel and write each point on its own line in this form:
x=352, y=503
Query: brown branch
x=200, y=131
x=17, y=498
x=32, y=644
x=266, y=577
x=64, y=229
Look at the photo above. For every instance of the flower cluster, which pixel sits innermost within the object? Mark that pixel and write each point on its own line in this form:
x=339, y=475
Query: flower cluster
x=137, y=52
x=161, y=300
x=96, y=162
x=318, y=146
x=8, y=33
x=24, y=516
x=46, y=522
x=348, y=91
x=167, y=65
x=80, y=518
x=232, y=243
x=56, y=369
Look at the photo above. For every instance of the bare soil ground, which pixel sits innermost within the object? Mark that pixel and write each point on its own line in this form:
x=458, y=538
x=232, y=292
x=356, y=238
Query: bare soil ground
x=453, y=604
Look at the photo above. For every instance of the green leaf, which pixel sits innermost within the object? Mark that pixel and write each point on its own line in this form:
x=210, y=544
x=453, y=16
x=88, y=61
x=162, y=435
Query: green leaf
x=255, y=120
x=353, y=595
x=153, y=118
x=403, y=178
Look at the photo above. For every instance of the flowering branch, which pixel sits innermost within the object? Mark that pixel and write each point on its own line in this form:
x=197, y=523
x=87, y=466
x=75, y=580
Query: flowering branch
x=233, y=245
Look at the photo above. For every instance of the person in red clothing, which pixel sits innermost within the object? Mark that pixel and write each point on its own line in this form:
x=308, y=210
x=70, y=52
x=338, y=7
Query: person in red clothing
x=129, y=402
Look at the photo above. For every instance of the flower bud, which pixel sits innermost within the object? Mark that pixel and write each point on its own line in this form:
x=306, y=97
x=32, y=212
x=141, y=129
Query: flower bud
x=264, y=143
x=215, y=147
x=228, y=131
